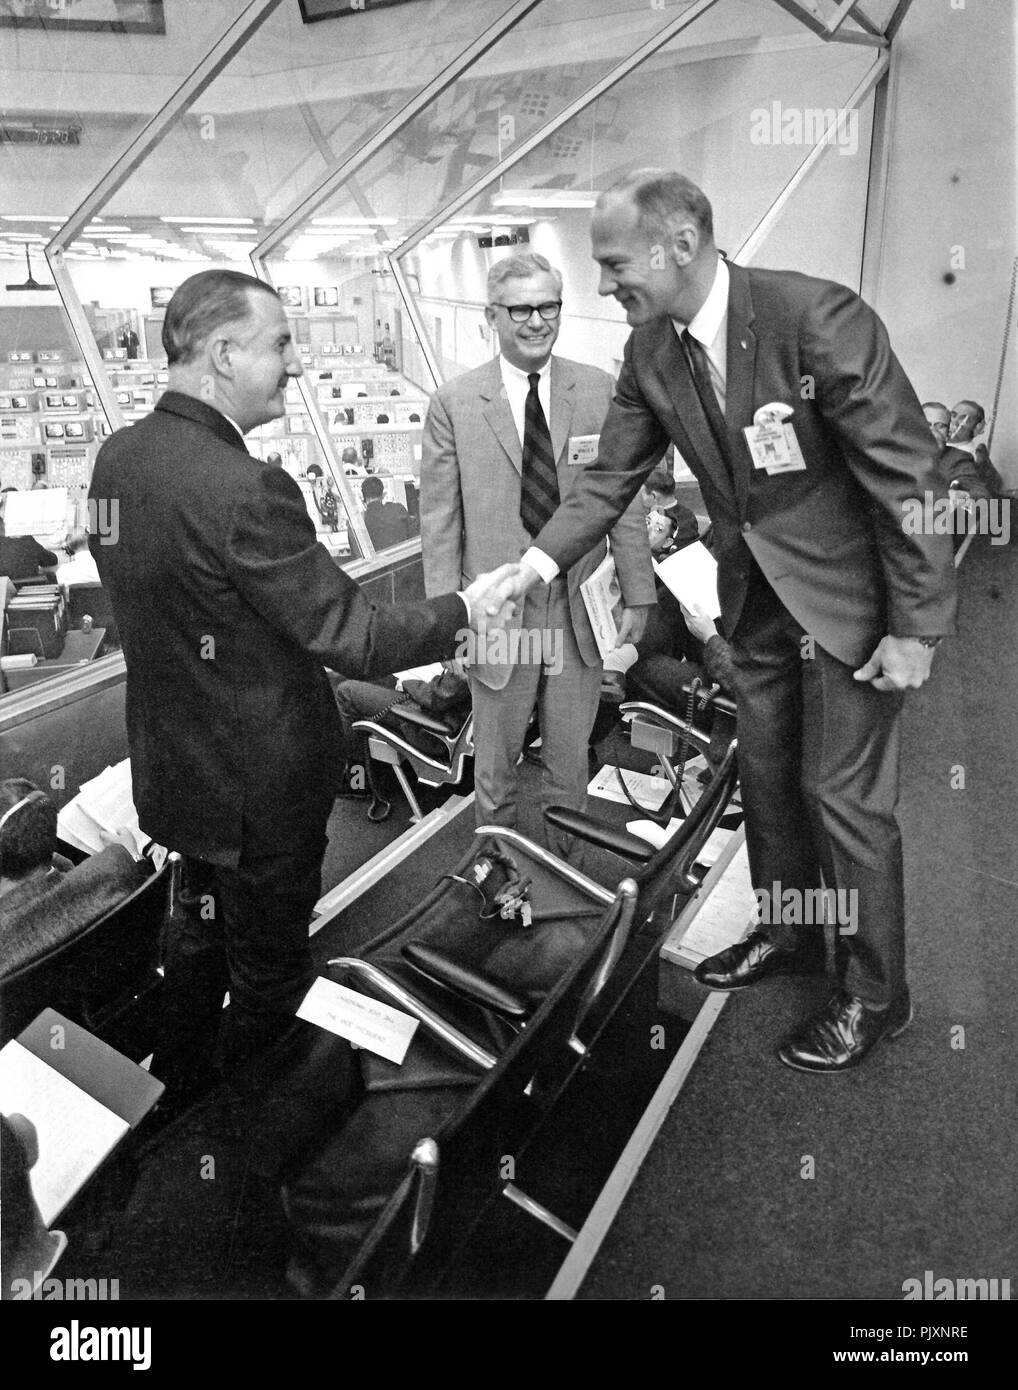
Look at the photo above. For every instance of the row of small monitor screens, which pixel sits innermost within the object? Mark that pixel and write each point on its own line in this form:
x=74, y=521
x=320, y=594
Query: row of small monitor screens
x=64, y=401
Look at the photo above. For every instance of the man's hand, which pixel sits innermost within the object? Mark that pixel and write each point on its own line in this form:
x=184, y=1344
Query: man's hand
x=633, y=624
x=700, y=623
x=899, y=663
x=525, y=578
x=491, y=598
x=119, y=837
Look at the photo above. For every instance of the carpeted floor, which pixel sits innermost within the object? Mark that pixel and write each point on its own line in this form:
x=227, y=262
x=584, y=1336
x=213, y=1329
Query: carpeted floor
x=766, y=1183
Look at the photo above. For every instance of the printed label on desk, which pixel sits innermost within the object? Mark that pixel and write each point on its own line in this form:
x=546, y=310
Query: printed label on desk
x=363, y=1021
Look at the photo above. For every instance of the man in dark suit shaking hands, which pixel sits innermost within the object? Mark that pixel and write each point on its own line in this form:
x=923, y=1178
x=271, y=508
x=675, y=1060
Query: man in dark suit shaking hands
x=784, y=397
x=229, y=610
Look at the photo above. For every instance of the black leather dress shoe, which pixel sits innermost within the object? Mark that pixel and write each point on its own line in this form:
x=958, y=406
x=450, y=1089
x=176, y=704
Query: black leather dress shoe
x=754, y=959
x=844, y=1033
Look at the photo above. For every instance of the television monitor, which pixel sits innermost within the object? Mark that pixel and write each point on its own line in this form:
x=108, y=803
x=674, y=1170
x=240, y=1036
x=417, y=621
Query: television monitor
x=54, y=431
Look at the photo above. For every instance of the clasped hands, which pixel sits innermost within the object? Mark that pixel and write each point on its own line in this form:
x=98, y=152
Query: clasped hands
x=494, y=597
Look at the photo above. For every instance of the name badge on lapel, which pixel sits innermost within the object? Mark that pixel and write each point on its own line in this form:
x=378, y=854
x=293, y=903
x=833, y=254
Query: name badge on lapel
x=772, y=441
x=582, y=448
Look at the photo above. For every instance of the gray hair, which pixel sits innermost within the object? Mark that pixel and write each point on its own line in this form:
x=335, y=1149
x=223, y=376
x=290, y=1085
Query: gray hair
x=203, y=303
x=519, y=267
x=661, y=198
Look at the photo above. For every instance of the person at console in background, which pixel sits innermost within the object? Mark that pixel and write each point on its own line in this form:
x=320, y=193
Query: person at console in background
x=45, y=900
x=79, y=567
x=22, y=557
x=229, y=610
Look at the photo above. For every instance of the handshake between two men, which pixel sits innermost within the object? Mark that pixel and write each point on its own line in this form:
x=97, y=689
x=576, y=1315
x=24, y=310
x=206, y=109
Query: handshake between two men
x=493, y=599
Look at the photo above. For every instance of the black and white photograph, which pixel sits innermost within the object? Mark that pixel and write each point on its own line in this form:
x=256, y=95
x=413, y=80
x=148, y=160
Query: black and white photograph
x=508, y=669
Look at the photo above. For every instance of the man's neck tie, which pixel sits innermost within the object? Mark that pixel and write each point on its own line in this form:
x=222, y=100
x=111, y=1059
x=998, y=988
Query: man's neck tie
x=539, y=495
x=699, y=368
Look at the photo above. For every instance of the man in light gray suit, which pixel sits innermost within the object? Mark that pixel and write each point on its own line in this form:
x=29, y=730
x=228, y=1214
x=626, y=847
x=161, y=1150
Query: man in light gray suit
x=502, y=444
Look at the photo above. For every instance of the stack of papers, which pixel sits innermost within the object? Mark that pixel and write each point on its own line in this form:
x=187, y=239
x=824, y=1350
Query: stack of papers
x=42, y=514
x=691, y=574
x=105, y=804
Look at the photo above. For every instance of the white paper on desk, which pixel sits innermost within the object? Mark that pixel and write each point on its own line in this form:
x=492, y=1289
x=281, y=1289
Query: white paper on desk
x=75, y=1131
x=656, y=835
x=647, y=790
x=420, y=673
x=691, y=574
x=42, y=513
x=366, y=1022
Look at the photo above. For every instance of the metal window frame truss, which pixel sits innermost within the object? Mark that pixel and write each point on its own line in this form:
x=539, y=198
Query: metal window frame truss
x=849, y=23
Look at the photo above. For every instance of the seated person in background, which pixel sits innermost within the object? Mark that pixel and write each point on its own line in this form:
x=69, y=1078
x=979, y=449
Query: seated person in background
x=388, y=523
x=326, y=500
x=677, y=645
x=28, y=1251
x=967, y=421
x=352, y=466
x=79, y=568
x=658, y=492
x=957, y=466
x=43, y=899
x=445, y=695
x=22, y=557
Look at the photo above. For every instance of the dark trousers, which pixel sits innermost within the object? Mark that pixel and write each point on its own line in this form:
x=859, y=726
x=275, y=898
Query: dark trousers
x=818, y=758
x=242, y=929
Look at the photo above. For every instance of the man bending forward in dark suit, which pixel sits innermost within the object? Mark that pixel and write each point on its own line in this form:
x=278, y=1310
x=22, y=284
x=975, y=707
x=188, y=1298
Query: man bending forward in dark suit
x=785, y=399
x=229, y=610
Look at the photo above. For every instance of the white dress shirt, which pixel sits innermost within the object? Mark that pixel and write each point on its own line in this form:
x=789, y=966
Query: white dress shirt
x=517, y=388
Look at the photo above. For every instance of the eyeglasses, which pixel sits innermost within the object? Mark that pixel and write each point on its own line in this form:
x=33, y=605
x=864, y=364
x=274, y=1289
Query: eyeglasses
x=519, y=313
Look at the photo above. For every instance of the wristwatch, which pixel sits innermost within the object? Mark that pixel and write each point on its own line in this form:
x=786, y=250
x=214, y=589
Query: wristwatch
x=929, y=641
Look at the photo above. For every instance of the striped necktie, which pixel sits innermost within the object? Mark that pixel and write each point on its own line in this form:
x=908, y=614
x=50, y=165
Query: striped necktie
x=699, y=369
x=539, y=495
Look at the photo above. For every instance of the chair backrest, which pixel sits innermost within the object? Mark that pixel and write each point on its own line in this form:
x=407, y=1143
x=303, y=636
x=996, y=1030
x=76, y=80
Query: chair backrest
x=92, y=977
x=454, y=1174
x=448, y=748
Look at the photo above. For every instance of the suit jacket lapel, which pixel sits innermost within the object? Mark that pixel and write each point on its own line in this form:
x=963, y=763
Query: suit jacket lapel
x=563, y=401
x=674, y=371
x=741, y=364
x=495, y=408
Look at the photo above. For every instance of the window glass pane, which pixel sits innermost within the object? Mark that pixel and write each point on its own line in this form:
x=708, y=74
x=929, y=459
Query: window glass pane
x=736, y=102
x=50, y=426
x=75, y=98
